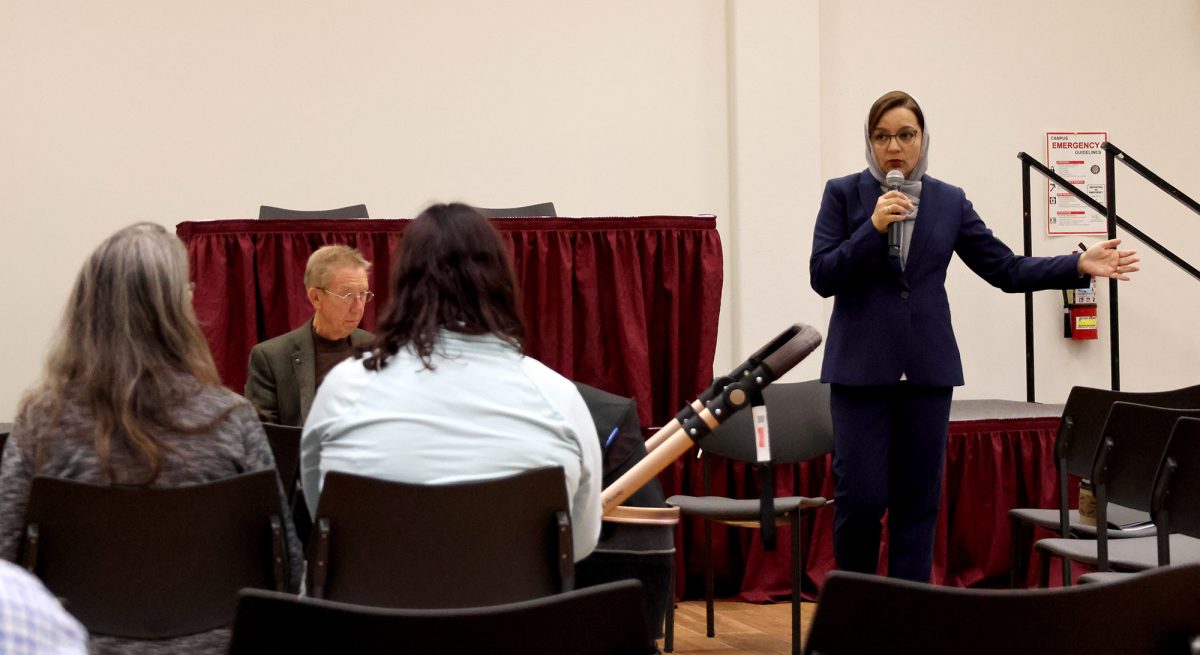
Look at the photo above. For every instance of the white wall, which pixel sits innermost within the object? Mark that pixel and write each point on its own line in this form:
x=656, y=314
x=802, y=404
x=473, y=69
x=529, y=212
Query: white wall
x=776, y=183
x=138, y=110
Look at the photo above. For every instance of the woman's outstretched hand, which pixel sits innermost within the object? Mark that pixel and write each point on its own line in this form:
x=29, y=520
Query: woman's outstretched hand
x=1104, y=260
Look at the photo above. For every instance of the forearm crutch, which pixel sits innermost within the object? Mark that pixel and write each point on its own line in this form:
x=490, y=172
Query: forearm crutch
x=724, y=398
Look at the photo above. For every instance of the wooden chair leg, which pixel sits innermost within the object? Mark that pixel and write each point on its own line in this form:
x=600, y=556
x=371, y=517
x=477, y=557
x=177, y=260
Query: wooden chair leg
x=708, y=578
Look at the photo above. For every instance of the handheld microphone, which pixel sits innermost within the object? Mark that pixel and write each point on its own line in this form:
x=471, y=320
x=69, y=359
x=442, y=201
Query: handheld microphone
x=895, y=230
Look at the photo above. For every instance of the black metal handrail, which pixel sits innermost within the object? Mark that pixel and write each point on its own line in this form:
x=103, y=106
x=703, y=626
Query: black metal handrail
x=1112, y=154
x=1149, y=175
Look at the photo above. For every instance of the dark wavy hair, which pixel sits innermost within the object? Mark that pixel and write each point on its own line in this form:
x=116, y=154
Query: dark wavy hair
x=453, y=273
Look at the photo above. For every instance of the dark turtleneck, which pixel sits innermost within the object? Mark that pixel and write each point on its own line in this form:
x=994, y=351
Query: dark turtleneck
x=329, y=352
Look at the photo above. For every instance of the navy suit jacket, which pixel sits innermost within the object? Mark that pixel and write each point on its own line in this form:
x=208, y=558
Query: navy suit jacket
x=886, y=321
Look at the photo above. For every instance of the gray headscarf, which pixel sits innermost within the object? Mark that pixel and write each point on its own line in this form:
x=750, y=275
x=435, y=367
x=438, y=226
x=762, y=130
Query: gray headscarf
x=911, y=186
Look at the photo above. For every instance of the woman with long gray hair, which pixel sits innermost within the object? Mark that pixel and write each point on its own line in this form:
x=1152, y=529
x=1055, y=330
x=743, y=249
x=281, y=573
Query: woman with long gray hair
x=130, y=396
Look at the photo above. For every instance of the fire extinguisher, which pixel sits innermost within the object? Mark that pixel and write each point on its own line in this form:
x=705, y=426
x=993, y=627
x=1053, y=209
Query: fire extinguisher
x=1079, y=311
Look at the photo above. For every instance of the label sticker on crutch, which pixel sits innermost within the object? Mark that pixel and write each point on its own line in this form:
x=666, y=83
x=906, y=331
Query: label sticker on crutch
x=762, y=436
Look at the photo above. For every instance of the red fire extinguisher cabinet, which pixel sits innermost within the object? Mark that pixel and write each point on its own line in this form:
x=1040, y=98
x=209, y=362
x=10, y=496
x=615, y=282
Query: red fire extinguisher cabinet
x=1083, y=321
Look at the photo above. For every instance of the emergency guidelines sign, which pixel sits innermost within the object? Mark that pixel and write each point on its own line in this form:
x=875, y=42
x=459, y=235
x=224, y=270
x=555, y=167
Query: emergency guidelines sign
x=1077, y=157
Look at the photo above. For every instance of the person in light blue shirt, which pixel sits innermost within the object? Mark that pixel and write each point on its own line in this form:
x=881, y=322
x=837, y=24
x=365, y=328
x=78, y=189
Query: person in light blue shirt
x=32, y=622
x=445, y=394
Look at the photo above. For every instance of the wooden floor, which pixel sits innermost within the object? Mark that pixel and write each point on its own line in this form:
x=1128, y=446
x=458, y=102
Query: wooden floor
x=740, y=627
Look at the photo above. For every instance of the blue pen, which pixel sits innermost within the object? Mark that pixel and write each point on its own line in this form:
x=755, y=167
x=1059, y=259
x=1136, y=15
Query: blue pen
x=612, y=435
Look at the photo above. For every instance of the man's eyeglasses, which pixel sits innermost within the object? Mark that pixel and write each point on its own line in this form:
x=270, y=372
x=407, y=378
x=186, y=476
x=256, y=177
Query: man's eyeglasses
x=905, y=137
x=349, y=298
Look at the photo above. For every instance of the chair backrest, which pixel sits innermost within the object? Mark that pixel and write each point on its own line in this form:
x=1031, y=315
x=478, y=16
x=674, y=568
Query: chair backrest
x=616, y=421
x=601, y=620
x=266, y=212
x=285, y=446
x=540, y=209
x=1154, y=612
x=1086, y=410
x=393, y=544
x=1138, y=436
x=798, y=419
x=159, y=562
x=1176, y=496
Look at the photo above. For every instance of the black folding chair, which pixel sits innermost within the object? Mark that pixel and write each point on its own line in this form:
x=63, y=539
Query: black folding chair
x=801, y=428
x=285, y=446
x=1075, y=446
x=1174, y=508
x=155, y=563
x=539, y=209
x=1132, y=445
x=394, y=544
x=1153, y=612
x=266, y=212
x=601, y=620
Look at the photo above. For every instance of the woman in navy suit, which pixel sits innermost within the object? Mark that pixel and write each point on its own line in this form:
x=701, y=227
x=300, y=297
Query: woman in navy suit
x=890, y=355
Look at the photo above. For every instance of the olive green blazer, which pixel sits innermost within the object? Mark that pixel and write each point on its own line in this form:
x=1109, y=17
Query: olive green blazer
x=282, y=375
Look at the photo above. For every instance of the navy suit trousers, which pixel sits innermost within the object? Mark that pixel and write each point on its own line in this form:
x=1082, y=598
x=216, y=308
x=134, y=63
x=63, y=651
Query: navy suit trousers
x=889, y=451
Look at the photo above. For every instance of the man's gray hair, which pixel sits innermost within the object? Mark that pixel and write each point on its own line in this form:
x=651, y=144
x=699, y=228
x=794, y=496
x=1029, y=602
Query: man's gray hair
x=327, y=259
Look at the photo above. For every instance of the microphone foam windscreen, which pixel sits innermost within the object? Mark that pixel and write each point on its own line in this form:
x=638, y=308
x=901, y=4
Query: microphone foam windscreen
x=804, y=341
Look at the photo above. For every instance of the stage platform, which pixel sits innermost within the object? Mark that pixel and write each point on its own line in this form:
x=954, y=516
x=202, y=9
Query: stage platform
x=984, y=410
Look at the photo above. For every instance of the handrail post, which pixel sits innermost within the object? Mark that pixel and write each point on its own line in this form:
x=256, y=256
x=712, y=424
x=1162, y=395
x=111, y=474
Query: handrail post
x=1026, y=205
x=1114, y=330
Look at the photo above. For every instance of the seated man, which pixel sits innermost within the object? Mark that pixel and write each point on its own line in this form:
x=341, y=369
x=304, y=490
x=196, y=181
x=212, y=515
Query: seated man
x=643, y=552
x=286, y=371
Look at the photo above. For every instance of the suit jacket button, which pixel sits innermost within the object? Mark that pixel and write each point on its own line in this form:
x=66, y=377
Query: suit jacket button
x=904, y=295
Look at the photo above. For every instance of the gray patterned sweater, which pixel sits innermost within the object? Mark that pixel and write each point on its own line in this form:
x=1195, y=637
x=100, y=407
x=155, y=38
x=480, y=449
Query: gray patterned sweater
x=236, y=445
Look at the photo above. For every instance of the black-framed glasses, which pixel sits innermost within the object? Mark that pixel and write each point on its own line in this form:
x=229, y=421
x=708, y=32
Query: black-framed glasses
x=906, y=137
x=349, y=298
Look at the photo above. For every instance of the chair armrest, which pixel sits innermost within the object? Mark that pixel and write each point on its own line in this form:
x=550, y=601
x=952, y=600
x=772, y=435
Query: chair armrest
x=643, y=515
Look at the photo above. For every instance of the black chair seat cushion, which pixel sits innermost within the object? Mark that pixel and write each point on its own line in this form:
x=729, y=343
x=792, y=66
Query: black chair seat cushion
x=1049, y=519
x=719, y=508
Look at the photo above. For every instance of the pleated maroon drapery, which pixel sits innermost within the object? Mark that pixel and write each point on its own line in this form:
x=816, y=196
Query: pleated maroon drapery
x=629, y=305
